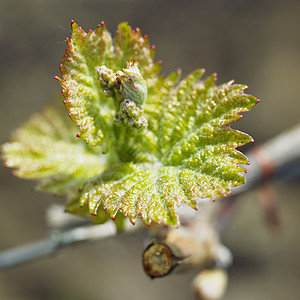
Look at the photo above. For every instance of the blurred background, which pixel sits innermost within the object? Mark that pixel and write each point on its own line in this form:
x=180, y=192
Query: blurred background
x=254, y=42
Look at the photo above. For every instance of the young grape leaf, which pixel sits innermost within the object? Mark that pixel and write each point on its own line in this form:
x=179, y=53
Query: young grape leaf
x=195, y=152
x=185, y=149
x=90, y=108
x=44, y=149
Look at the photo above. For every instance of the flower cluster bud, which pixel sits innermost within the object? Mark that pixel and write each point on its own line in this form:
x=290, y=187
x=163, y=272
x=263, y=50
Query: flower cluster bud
x=130, y=115
x=130, y=90
x=107, y=80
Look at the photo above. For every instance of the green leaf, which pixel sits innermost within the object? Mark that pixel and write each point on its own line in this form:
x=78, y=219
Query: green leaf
x=131, y=45
x=166, y=141
x=45, y=149
x=194, y=152
x=89, y=107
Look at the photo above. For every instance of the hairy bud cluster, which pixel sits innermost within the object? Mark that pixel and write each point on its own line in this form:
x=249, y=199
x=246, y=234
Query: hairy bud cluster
x=130, y=115
x=107, y=80
x=132, y=90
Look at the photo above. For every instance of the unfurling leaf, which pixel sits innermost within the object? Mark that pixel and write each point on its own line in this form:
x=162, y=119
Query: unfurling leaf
x=154, y=141
x=195, y=157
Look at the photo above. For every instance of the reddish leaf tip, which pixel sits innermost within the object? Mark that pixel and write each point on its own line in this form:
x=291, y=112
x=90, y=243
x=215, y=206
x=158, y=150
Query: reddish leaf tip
x=176, y=226
x=94, y=214
x=72, y=22
x=148, y=225
x=78, y=135
x=64, y=102
x=145, y=36
x=246, y=171
x=203, y=70
x=113, y=218
x=215, y=74
x=56, y=77
x=153, y=47
x=160, y=62
x=248, y=163
x=257, y=100
x=252, y=141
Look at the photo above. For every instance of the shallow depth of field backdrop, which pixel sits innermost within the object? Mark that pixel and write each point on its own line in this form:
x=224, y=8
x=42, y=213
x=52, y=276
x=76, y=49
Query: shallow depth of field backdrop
x=254, y=42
